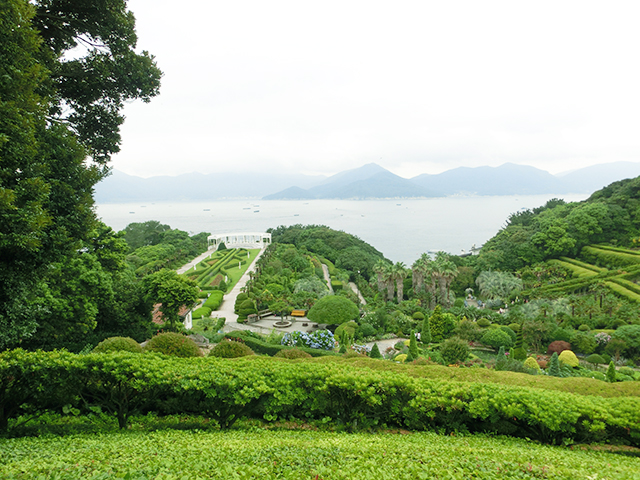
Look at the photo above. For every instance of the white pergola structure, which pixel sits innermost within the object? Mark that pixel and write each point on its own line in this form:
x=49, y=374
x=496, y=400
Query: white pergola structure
x=239, y=240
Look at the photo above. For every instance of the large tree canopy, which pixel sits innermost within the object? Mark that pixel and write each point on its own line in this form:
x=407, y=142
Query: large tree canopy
x=60, y=113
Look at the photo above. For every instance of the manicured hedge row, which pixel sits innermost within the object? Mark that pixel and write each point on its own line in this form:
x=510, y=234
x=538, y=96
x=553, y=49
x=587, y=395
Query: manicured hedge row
x=623, y=292
x=609, y=257
x=214, y=300
x=576, y=270
x=260, y=387
x=270, y=349
x=634, y=287
x=578, y=263
x=617, y=249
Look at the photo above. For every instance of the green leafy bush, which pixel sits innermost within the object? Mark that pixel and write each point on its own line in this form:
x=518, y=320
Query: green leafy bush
x=497, y=338
x=375, y=352
x=118, y=344
x=292, y=353
x=454, y=350
x=230, y=349
x=595, y=359
x=173, y=344
x=483, y=323
x=201, y=312
x=554, y=365
x=334, y=309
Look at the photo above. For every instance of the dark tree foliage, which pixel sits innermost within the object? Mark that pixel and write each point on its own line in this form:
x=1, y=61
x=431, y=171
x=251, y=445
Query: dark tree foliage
x=345, y=250
x=55, y=111
x=557, y=229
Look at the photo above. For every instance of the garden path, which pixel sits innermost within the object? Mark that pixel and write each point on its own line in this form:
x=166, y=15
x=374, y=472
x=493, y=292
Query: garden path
x=195, y=261
x=229, y=301
x=355, y=289
x=327, y=277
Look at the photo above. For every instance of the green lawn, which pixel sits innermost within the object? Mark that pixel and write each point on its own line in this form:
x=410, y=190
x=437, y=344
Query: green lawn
x=254, y=452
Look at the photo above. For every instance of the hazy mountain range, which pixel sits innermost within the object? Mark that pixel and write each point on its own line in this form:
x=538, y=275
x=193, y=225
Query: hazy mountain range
x=368, y=181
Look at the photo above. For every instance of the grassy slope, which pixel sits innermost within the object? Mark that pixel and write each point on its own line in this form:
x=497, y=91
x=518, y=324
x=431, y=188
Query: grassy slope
x=285, y=454
x=577, y=385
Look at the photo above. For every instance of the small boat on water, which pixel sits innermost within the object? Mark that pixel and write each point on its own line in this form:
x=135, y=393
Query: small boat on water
x=247, y=208
x=256, y=211
x=132, y=212
x=296, y=214
x=206, y=209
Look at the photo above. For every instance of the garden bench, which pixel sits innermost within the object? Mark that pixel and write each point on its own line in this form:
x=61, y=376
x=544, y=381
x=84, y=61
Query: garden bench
x=298, y=313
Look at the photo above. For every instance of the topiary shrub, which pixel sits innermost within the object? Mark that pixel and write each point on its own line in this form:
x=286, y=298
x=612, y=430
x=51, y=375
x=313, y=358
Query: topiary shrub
x=584, y=327
x=173, y=344
x=375, y=351
x=201, y=312
x=231, y=349
x=246, y=308
x=118, y=344
x=454, y=350
x=558, y=347
x=515, y=327
x=483, y=323
x=595, y=359
x=292, y=353
x=611, y=373
x=519, y=353
x=348, y=327
x=419, y=316
x=497, y=338
x=367, y=330
x=531, y=363
x=509, y=332
x=400, y=358
x=569, y=358
x=627, y=371
x=333, y=309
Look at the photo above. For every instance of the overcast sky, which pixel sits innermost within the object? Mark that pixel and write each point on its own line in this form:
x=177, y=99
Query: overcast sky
x=417, y=87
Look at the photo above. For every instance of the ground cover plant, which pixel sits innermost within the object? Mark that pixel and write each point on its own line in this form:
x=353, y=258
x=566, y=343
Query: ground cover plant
x=254, y=451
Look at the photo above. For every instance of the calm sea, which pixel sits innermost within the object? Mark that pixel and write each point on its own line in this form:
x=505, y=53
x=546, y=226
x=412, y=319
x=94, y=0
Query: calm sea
x=401, y=229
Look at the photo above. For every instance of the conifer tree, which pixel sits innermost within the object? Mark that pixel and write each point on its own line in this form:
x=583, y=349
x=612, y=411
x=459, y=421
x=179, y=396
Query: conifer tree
x=410, y=358
x=425, y=334
x=413, y=346
x=375, y=351
x=554, y=365
x=611, y=373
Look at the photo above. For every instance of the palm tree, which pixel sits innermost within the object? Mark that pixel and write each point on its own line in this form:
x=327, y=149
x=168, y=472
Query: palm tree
x=379, y=268
x=446, y=271
x=399, y=273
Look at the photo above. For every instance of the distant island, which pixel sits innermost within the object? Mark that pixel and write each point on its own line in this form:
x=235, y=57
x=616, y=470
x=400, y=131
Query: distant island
x=371, y=181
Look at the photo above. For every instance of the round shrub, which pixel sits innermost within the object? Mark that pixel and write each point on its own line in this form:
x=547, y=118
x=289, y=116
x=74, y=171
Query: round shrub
x=569, y=358
x=292, y=353
x=400, y=358
x=419, y=316
x=118, y=344
x=497, y=338
x=454, y=350
x=483, y=323
x=531, y=363
x=595, y=359
x=173, y=344
x=509, y=332
x=246, y=308
x=367, y=330
x=230, y=349
x=558, y=346
x=333, y=309
x=515, y=327
x=584, y=327
x=348, y=327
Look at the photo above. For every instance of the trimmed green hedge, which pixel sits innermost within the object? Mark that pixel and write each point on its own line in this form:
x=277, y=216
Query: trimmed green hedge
x=576, y=270
x=609, y=257
x=215, y=300
x=225, y=390
x=271, y=349
x=578, y=263
x=623, y=292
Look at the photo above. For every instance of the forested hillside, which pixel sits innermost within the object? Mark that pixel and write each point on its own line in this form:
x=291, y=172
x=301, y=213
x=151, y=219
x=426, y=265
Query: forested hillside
x=610, y=215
